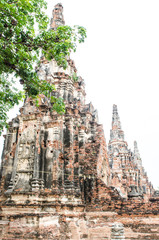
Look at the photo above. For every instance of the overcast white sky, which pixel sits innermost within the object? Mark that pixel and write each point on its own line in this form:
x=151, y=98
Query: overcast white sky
x=119, y=62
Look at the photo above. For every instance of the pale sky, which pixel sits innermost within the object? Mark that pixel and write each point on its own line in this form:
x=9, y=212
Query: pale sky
x=119, y=62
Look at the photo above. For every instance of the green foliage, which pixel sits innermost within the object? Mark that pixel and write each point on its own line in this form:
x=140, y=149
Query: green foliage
x=75, y=77
x=9, y=96
x=58, y=105
x=21, y=45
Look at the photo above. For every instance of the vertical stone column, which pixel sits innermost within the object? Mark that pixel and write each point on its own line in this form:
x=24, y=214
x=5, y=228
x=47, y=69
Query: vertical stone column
x=81, y=159
x=117, y=231
x=37, y=183
x=57, y=146
x=70, y=91
x=76, y=156
x=42, y=158
x=68, y=154
x=52, y=149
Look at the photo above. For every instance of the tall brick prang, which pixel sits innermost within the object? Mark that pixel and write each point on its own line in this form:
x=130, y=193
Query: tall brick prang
x=127, y=174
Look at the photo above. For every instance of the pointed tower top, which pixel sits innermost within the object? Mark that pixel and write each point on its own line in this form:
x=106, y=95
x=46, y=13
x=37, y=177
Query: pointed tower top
x=116, y=132
x=136, y=150
x=135, y=146
x=57, y=18
x=115, y=108
x=137, y=157
x=115, y=117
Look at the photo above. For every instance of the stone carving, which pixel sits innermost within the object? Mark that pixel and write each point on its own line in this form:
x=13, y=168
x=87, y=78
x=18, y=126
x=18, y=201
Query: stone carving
x=117, y=231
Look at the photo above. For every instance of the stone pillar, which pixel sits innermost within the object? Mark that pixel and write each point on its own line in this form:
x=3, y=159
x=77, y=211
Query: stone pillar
x=37, y=183
x=81, y=157
x=117, y=231
x=52, y=149
x=68, y=154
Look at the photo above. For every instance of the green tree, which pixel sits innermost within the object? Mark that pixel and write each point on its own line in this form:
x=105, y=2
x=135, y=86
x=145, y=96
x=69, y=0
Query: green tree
x=21, y=45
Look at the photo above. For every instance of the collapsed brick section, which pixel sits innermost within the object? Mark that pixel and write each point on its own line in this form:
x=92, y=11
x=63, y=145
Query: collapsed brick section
x=57, y=179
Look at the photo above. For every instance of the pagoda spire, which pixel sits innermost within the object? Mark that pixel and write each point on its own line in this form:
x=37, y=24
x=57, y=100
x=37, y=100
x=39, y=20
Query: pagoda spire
x=57, y=16
x=137, y=158
x=116, y=132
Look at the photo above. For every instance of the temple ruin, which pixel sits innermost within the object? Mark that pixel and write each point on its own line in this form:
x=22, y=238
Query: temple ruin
x=59, y=180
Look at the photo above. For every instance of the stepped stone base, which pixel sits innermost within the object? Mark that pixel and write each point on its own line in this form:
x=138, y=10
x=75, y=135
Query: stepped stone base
x=72, y=222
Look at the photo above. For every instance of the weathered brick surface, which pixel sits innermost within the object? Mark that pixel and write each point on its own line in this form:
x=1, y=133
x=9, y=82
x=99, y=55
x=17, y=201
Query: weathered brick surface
x=57, y=179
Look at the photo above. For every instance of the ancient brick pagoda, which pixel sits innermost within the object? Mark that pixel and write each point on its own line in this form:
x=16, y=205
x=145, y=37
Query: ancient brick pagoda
x=58, y=181
x=127, y=173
